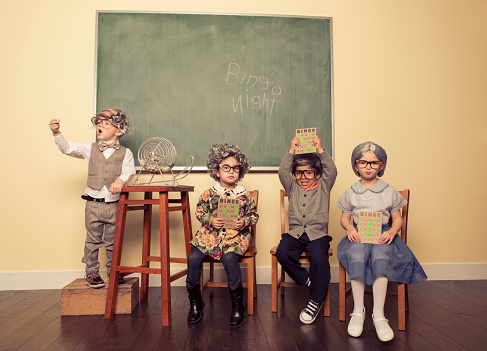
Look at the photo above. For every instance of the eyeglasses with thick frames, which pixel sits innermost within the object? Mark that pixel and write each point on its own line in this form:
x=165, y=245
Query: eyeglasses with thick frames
x=106, y=123
x=227, y=168
x=309, y=174
x=364, y=164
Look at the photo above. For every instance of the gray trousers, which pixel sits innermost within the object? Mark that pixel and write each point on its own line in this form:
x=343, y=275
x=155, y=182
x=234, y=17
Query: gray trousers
x=100, y=221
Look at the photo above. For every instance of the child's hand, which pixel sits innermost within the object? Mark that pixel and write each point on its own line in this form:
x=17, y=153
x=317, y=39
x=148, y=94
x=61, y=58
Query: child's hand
x=353, y=235
x=317, y=143
x=54, y=125
x=295, y=142
x=116, y=187
x=217, y=223
x=386, y=238
x=238, y=224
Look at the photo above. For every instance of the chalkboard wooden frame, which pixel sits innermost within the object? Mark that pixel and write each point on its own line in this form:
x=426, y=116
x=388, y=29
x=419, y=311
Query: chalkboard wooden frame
x=201, y=79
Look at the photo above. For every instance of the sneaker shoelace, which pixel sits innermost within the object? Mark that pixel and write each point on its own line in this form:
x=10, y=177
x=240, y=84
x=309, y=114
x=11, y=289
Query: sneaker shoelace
x=312, y=308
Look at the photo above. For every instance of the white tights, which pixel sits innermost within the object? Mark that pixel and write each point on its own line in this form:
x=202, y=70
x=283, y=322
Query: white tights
x=379, y=289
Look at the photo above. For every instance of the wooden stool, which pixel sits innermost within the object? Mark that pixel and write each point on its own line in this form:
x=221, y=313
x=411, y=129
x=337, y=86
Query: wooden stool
x=146, y=204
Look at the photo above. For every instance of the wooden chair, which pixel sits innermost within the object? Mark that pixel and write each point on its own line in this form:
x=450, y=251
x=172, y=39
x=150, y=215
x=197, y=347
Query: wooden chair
x=280, y=282
x=247, y=258
x=402, y=289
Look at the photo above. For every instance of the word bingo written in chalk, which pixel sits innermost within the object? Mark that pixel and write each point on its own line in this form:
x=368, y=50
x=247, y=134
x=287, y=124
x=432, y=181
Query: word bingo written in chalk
x=228, y=210
x=369, y=227
x=305, y=137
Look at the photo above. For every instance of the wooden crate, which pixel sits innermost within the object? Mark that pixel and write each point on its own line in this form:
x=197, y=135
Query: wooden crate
x=79, y=299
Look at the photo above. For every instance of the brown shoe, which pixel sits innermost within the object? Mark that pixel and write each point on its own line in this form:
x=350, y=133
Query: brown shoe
x=93, y=280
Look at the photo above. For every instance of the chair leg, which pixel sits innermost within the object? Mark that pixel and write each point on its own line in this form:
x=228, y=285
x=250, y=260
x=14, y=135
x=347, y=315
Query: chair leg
x=401, y=305
x=255, y=279
x=407, y=298
x=211, y=278
x=274, y=284
x=326, y=307
x=250, y=287
x=202, y=286
x=342, y=292
x=283, y=279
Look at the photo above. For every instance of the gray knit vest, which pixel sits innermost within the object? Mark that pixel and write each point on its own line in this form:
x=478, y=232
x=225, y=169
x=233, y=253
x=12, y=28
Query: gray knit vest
x=102, y=171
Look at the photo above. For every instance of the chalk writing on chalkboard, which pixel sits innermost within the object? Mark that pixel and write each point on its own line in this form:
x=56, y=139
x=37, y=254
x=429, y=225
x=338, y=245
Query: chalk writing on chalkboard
x=253, y=100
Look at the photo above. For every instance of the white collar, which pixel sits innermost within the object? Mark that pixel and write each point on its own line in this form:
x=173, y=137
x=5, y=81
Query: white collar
x=234, y=193
x=377, y=188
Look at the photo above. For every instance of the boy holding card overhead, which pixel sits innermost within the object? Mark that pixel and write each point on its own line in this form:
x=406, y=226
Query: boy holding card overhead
x=364, y=261
x=223, y=234
x=307, y=179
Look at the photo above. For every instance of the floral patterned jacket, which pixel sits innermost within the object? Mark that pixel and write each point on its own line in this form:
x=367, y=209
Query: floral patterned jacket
x=215, y=242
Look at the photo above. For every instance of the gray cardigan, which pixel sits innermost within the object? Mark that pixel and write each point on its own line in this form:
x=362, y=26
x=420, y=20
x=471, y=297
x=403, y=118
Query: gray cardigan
x=308, y=211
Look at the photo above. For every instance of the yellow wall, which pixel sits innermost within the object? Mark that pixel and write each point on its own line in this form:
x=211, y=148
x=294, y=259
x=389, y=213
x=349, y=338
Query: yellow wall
x=409, y=75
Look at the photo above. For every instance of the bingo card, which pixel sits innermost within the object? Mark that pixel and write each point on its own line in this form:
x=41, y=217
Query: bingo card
x=228, y=210
x=305, y=136
x=369, y=227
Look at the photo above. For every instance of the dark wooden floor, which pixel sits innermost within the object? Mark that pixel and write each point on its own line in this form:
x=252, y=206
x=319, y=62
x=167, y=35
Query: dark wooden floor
x=444, y=315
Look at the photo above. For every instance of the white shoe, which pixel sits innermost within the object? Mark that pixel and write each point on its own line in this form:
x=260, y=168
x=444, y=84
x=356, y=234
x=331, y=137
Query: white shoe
x=356, y=330
x=384, y=334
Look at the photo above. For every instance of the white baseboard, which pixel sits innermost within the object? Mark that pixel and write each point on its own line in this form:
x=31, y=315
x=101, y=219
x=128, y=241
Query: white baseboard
x=57, y=280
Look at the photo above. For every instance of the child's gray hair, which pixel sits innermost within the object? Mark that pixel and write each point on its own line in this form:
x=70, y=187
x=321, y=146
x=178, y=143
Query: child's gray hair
x=117, y=117
x=219, y=152
x=361, y=149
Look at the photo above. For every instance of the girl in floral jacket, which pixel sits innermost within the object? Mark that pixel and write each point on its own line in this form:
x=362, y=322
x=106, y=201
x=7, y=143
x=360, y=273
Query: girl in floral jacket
x=227, y=165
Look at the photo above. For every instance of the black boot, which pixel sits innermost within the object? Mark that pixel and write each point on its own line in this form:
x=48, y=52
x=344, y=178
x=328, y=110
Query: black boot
x=196, y=304
x=238, y=307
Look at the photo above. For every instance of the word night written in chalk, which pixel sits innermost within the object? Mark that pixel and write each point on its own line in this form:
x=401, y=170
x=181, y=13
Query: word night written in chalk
x=257, y=93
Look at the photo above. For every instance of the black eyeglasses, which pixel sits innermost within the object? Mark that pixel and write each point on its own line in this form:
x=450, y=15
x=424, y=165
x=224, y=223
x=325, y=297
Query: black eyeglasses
x=364, y=164
x=309, y=174
x=227, y=168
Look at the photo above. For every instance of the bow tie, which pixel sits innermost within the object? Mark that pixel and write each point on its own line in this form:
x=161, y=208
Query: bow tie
x=102, y=145
x=312, y=186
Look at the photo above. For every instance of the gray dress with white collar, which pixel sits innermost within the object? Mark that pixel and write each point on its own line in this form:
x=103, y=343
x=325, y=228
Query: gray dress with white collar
x=396, y=261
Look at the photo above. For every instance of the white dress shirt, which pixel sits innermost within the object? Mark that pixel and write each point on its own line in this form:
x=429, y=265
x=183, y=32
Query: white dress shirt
x=83, y=151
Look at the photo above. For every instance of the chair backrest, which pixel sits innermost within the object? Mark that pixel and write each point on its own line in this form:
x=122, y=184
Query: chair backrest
x=405, y=213
x=283, y=194
x=255, y=195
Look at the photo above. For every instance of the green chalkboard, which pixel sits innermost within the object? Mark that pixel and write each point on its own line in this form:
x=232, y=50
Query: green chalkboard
x=201, y=79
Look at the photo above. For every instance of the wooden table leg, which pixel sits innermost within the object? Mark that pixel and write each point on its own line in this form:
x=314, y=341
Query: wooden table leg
x=116, y=257
x=165, y=259
x=188, y=231
x=146, y=240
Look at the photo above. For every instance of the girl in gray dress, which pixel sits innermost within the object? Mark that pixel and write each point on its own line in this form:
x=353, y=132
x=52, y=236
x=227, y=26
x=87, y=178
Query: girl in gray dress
x=374, y=264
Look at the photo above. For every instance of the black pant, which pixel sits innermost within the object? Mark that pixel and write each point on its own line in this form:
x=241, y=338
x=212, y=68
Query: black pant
x=288, y=253
x=230, y=263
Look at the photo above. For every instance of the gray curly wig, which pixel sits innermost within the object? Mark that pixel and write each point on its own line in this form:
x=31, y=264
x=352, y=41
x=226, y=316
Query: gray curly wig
x=219, y=152
x=361, y=149
x=117, y=117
